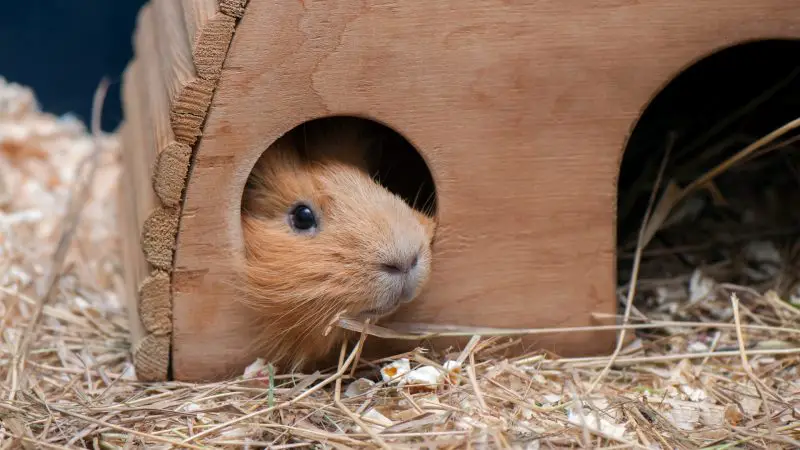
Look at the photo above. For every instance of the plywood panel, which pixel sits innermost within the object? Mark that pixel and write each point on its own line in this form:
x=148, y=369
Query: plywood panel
x=135, y=267
x=210, y=31
x=165, y=99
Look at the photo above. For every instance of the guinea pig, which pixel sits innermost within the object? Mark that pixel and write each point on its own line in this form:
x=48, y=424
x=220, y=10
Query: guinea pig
x=323, y=238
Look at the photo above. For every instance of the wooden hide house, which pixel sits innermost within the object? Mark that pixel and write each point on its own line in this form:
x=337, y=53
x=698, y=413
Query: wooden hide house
x=521, y=110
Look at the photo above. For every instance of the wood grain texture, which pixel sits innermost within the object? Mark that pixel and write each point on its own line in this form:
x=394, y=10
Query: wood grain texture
x=158, y=237
x=166, y=95
x=151, y=357
x=233, y=8
x=197, y=13
x=520, y=109
x=134, y=265
x=160, y=226
x=169, y=173
x=210, y=31
x=189, y=95
x=135, y=202
x=149, y=125
x=155, y=305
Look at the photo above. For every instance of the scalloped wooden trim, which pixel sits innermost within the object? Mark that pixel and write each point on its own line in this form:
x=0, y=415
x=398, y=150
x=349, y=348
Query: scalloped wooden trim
x=151, y=358
x=155, y=304
x=170, y=171
x=233, y=8
x=180, y=47
x=158, y=237
x=210, y=31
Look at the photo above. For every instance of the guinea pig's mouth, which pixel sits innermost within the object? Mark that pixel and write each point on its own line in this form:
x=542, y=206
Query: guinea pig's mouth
x=377, y=313
x=390, y=307
x=395, y=292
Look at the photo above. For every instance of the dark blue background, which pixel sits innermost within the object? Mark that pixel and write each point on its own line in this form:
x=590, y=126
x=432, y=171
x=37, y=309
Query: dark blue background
x=62, y=49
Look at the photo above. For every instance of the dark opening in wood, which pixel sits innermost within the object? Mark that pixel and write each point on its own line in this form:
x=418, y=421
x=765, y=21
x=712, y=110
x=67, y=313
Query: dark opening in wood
x=716, y=108
x=393, y=162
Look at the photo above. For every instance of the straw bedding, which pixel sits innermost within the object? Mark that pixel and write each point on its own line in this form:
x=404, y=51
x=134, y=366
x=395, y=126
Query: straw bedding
x=710, y=359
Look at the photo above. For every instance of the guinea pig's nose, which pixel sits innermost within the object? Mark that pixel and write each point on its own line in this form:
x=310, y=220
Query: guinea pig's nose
x=400, y=265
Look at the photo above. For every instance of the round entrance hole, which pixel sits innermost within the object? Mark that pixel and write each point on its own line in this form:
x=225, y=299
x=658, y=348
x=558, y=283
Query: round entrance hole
x=741, y=227
x=324, y=238
x=391, y=160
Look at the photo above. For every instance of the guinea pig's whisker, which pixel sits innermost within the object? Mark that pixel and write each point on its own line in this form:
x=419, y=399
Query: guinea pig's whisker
x=429, y=204
x=291, y=310
x=416, y=197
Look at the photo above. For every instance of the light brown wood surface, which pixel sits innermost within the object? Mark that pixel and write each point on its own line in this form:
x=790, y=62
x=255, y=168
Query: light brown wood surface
x=139, y=149
x=521, y=109
x=135, y=267
x=209, y=34
x=166, y=97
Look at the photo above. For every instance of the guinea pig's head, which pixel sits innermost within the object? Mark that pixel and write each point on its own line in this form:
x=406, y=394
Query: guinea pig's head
x=324, y=239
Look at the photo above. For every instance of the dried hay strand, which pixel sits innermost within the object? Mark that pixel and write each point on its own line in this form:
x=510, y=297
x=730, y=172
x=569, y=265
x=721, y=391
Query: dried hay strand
x=713, y=362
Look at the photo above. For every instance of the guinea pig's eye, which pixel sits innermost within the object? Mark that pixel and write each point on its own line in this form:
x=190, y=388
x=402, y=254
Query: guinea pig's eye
x=302, y=218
